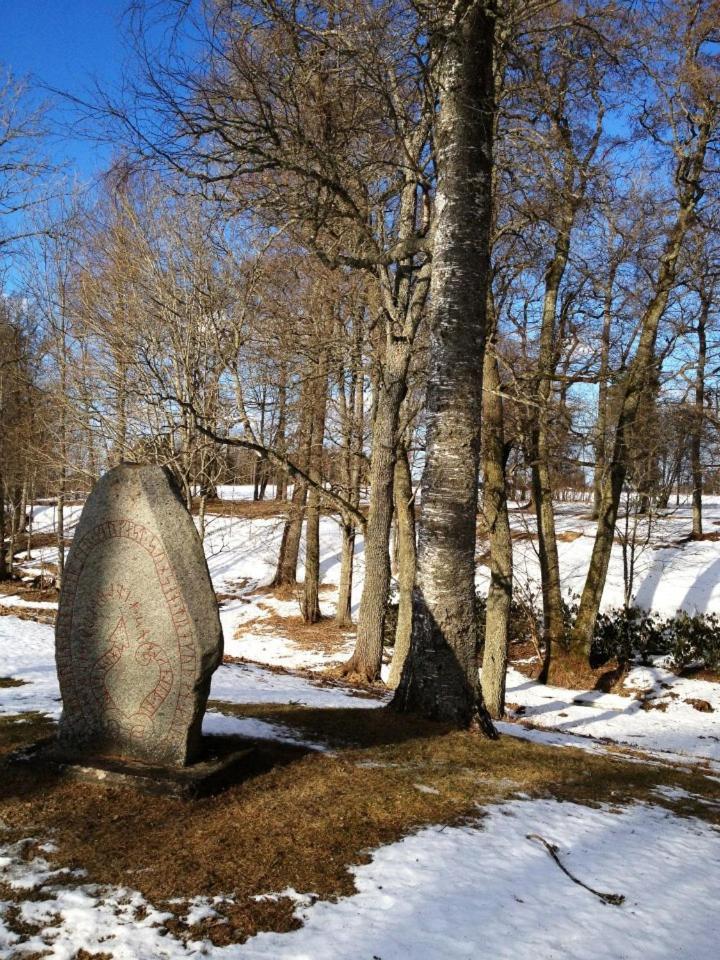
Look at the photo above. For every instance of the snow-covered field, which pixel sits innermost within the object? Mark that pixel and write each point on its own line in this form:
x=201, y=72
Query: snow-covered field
x=481, y=890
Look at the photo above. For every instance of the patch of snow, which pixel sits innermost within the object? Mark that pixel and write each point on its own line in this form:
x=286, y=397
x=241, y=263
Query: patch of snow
x=456, y=893
x=678, y=729
x=250, y=683
x=424, y=788
x=27, y=652
x=14, y=601
x=289, y=893
x=229, y=724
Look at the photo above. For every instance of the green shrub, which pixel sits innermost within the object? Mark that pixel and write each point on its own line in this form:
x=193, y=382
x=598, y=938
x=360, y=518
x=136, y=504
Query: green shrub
x=630, y=634
x=695, y=638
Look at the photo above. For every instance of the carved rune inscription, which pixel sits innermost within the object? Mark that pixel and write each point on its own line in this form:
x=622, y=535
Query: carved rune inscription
x=133, y=676
x=138, y=634
x=125, y=643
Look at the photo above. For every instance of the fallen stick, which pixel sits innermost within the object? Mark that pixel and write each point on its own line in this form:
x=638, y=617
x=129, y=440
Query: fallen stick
x=614, y=898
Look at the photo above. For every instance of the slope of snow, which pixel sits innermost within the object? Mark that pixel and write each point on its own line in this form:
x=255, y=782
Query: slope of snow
x=671, y=572
x=456, y=893
x=27, y=652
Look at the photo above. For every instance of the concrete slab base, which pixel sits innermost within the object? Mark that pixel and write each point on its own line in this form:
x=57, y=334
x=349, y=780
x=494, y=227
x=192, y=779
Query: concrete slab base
x=225, y=761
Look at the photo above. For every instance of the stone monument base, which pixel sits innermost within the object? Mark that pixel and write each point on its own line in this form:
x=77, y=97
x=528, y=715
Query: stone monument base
x=224, y=761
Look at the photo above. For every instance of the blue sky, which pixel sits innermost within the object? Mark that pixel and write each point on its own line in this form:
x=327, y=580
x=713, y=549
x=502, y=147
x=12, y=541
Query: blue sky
x=66, y=44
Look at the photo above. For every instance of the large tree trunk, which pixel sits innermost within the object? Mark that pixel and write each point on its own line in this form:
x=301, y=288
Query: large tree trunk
x=407, y=559
x=311, y=589
x=499, y=598
x=440, y=678
x=698, y=421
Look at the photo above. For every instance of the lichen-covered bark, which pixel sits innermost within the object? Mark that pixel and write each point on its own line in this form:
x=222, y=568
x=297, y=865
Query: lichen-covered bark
x=440, y=678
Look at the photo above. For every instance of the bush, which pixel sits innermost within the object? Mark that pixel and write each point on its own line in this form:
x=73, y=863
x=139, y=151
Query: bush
x=695, y=638
x=628, y=634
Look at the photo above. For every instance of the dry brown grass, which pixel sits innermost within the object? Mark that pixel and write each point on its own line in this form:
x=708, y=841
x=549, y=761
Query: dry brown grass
x=250, y=509
x=325, y=636
x=29, y=613
x=39, y=540
x=26, y=591
x=302, y=818
x=577, y=674
x=568, y=536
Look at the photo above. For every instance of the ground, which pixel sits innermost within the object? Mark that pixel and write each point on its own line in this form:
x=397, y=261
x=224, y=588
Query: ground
x=357, y=834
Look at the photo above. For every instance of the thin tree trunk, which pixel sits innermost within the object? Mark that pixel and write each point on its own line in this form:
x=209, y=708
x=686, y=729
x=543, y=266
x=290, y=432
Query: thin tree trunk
x=407, y=560
x=542, y=486
x=343, y=615
x=403, y=307
x=286, y=571
x=352, y=413
x=311, y=589
x=601, y=426
x=367, y=656
x=29, y=524
x=440, y=677
x=60, y=534
x=499, y=598
x=3, y=530
x=698, y=421
x=280, y=439
x=632, y=389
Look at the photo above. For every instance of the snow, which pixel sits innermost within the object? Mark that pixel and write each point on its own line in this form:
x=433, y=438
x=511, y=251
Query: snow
x=248, y=683
x=485, y=889
x=245, y=550
x=27, y=652
x=488, y=891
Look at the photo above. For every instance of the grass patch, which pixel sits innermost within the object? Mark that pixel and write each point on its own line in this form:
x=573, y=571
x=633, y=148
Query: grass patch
x=29, y=613
x=300, y=818
x=21, y=729
x=11, y=682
